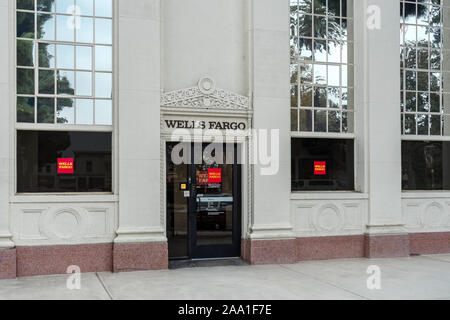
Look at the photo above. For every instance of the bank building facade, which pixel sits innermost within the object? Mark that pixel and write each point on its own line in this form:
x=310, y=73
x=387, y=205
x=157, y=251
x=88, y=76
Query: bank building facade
x=135, y=133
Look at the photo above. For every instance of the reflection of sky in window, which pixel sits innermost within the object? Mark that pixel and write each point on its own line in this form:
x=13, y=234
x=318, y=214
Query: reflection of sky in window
x=344, y=75
x=422, y=34
x=333, y=75
x=84, y=84
x=63, y=6
x=344, y=52
x=103, y=112
x=85, y=111
x=86, y=7
x=103, y=58
x=65, y=30
x=84, y=57
x=410, y=34
x=103, y=85
x=65, y=56
x=103, y=8
x=103, y=28
x=65, y=112
x=85, y=30
x=47, y=28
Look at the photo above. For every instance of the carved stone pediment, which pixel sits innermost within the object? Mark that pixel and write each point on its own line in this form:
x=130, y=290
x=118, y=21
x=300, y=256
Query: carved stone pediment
x=205, y=96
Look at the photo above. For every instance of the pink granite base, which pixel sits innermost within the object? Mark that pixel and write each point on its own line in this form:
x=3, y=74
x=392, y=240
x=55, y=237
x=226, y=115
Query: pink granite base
x=386, y=246
x=326, y=248
x=429, y=243
x=269, y=251
x=245, y=250
x=8, y=267
x=47, y=260
x=140, y=256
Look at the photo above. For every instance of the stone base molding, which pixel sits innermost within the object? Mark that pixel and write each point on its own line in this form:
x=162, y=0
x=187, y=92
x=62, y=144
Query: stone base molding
x=140, y=256
x=123, y=257
x=429, y=243
x=8, y=267
x=344, y=247
x=47, y=260
x=302, y=249
x=50, y=260
x=269, y=251
x=326, y=248
x=387, y=246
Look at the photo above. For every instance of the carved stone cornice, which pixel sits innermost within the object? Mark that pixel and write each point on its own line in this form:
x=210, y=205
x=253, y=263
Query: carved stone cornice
x=205, y=96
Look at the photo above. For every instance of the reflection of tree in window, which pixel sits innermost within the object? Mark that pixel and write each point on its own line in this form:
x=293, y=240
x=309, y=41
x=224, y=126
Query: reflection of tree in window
x=321, y=74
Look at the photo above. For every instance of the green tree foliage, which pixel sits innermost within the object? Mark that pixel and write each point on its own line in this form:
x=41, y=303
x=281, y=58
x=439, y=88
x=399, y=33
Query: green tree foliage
x=45, y=5
x=25, y=56
x=46, y=110
x=25, y=109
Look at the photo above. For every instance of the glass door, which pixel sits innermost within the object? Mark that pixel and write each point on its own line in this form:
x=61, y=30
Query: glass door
x=215, y=218
x=204, y=203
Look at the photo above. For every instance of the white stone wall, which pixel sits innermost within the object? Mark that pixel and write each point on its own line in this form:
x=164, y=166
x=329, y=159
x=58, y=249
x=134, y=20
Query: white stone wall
x=243, y=45
x=205, y=38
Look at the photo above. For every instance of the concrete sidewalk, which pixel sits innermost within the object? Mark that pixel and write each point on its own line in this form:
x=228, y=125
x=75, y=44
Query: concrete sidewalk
x=425, y=277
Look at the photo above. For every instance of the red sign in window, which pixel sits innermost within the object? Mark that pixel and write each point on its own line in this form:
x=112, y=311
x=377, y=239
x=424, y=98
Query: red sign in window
x=65, y=166
x=202, y=178
x=214, y=175
x=320, y=168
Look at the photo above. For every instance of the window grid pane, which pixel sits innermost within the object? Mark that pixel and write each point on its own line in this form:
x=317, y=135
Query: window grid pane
x=321, y=66
x=57, y=42
x=424, y=70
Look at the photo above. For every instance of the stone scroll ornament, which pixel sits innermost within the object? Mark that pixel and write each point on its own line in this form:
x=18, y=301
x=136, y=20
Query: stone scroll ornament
x=205, y=96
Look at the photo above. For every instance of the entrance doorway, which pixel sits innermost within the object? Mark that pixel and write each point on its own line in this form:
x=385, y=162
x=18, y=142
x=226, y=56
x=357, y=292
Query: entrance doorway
x=203, y=201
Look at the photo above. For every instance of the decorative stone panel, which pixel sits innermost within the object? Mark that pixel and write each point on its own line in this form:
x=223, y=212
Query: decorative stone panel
x=318, y=218
x=63, y=223
x=205, y=96
x=427, y=215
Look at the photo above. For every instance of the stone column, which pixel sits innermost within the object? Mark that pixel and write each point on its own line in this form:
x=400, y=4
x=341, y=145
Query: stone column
x=270, y=238
x=386, y=236
x=7, y=251
x=141, y=243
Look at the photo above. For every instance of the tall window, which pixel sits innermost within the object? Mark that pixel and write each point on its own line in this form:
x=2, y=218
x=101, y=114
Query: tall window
x=322, y=94
x=425, y=93
x=64, y=62
x=64, y=81
x=321, y=66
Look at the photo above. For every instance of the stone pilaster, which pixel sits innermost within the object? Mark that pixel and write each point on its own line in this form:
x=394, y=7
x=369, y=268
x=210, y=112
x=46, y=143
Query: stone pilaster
x=7, y=251
x=141, y=230
x=386, y=236
x=270, y=227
